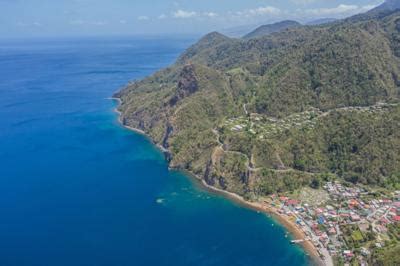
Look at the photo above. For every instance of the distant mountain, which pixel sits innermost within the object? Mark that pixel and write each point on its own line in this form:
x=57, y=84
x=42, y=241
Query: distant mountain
x=379, y=12
x=321, y=21
x=272, y=28
x=238, y=31
x=388, y=5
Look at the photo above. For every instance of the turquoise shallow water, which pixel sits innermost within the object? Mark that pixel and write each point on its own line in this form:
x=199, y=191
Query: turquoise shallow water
x=76, y=188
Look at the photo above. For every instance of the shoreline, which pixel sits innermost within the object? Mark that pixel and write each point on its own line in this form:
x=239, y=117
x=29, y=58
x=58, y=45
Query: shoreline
x=296, y=232
x=141, y=132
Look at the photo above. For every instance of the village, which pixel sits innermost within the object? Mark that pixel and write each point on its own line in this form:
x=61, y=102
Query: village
x=346, y=222
x=264, y=127
x=350, y=225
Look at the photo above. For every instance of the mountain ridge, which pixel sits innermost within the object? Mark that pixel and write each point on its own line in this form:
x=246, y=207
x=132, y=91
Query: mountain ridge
x=321, y=21
x=388, y=5
x=272, y=28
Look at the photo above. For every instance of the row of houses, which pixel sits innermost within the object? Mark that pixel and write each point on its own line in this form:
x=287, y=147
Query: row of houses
x=348, y=206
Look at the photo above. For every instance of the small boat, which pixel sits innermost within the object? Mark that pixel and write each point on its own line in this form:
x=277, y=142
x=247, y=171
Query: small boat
x=296, y=241
x=160, y=201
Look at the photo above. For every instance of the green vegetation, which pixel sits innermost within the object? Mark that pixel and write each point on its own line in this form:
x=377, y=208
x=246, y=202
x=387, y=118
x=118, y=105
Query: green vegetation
x=312, y=102
x=390, y=254
x=357, y=236
x=360, y=147
x=270, y=181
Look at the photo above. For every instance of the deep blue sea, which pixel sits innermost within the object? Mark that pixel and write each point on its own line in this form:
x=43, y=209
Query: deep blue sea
x=76, y=188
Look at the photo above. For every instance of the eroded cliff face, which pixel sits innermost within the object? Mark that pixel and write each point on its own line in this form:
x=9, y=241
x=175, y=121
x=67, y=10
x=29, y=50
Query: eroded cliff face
x=187, y=84
x=180, y=112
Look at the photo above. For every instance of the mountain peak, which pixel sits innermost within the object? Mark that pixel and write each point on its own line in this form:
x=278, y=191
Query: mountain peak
x=209, y=40
x=214, y=37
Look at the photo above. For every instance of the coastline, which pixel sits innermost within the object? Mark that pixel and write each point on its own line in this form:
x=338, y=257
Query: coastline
x=257, y=206
x=141, y=132
x=296, y=232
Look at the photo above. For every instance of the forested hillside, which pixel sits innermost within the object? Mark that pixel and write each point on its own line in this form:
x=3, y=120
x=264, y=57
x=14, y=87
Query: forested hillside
x=276, y=112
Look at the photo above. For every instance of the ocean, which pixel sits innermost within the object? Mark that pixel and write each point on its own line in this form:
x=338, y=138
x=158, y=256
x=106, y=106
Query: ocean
x=76, y=188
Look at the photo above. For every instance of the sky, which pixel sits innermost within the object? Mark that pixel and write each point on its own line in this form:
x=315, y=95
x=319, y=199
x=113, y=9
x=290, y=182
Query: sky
x=35, y=18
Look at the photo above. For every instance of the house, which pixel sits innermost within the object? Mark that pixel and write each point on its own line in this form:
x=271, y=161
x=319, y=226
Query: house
x=365, y=212
x=331, y=248
x=353, y=202
x=332, y=231
x=365, y=252
x=292, y=202
x=384, y=221
x=381, y=229
x=355, y=218
x=386, y=201
x=283, y=198
x=348, y=253
x=330, y=208
x=323, y=238
x=237, y=128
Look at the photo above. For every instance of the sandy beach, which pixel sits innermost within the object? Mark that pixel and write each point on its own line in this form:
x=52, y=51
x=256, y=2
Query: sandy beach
x=257, y=206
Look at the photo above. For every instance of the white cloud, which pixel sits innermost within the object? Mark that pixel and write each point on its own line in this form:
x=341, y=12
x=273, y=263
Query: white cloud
x=99, y=23
x=210, y=14
x=31, y=24
x=122, y=21
x=143, y=18
x=341, y=9
x=84, y=22
x=192, y=14
x=184, y=14
x=265, y=12
x=260, y=11
x=77, y=22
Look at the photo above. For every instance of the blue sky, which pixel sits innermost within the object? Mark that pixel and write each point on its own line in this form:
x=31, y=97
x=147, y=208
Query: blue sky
x=27, y=18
